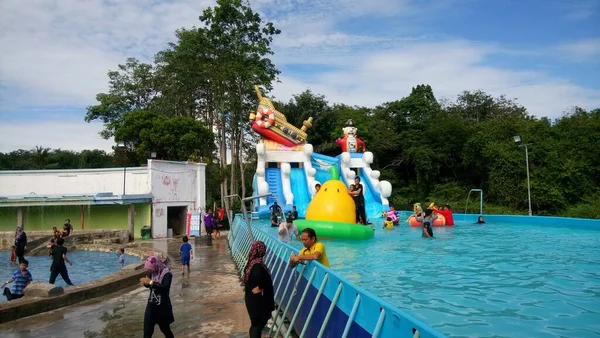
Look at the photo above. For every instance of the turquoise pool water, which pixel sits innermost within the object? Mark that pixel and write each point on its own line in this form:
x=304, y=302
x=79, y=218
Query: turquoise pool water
x=87, y=265
x=491, y=280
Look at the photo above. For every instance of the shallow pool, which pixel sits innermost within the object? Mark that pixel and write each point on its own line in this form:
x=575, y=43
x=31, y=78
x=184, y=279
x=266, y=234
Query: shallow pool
x=87, y=265
x=501, y=280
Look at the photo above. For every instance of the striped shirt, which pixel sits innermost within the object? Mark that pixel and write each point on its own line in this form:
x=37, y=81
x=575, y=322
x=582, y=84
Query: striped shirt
x=21, y=281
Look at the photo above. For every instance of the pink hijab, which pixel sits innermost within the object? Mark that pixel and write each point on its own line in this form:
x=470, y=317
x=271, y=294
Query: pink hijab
x=158, y=268
x=257, y=252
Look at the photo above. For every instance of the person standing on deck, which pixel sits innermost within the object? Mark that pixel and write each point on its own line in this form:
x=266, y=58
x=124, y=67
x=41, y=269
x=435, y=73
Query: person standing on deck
x=208, y=225
x=158, y=309
x=258, y=289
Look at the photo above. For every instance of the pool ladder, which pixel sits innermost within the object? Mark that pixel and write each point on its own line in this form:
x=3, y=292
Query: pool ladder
x=480, y=202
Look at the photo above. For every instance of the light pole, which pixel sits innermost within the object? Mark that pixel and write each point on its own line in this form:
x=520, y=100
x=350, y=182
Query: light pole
x=519, y=141
x=121, y=145
x=243, y=202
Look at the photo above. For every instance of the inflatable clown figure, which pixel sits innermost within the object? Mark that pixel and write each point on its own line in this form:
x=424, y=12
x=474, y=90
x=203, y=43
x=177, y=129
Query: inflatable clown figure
x=350, y=142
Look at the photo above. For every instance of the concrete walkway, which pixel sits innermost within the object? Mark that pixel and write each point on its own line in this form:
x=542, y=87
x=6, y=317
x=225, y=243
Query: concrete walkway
x=208, y=303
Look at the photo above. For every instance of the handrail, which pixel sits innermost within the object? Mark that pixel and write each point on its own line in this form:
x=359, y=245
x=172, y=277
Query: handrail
x=342, y=297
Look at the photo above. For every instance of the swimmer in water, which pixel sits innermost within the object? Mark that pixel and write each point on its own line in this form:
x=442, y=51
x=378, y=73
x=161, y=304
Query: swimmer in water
x=427, y=223
x=480, y=220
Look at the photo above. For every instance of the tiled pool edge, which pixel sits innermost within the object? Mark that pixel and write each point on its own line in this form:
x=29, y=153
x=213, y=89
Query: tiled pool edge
x=343, y=308
x=124, y=278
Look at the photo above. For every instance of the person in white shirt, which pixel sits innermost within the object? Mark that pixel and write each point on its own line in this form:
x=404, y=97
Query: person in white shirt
x=287, y=230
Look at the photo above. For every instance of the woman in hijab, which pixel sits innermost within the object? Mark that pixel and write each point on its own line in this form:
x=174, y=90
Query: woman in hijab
x=20, y=243
x=158, y=309
x=258, y=288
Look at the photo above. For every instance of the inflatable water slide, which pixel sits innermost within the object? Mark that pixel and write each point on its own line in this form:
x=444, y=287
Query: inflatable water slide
x=289, y=170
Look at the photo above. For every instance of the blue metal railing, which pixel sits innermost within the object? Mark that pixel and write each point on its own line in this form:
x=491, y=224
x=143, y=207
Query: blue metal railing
x=327, y=304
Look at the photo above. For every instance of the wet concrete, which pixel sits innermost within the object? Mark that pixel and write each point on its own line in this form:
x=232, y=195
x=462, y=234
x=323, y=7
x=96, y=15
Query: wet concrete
x=207, y=303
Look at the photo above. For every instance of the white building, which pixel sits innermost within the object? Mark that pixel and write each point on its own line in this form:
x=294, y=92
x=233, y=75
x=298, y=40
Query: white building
x=159, y=195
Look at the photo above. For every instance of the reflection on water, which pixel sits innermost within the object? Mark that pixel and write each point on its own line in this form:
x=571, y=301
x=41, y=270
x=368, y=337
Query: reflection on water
x=507, y=280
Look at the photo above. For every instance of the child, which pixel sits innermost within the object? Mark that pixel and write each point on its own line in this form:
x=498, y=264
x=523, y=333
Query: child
x=185, y=251
x=427, y=222
x=388, y=223
x=50, y=246
x=13, y=255
x=121, y=255
x=22, y=278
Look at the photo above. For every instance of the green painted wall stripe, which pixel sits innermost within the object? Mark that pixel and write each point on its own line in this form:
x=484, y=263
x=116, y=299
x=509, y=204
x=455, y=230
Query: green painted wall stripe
x=96, y=217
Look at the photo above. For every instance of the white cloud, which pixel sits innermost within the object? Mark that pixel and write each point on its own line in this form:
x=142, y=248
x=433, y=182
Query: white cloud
x=57, y=53
x=68, y=135
x=587, y=49
x=449, y=67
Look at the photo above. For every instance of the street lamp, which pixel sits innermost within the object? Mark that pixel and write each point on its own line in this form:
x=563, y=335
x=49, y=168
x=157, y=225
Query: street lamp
x=243, y=202
x=519, y=141
x=121, y=145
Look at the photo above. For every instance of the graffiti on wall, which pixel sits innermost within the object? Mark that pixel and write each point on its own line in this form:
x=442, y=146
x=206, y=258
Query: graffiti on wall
x=159, y=212
x=173, y=185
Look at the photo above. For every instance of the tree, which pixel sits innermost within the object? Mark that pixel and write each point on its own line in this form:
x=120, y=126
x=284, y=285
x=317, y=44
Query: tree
x=94, y=159
x=132, y=87
x=174, y=138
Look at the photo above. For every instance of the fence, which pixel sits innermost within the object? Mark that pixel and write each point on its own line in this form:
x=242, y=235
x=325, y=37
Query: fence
x=313, y=301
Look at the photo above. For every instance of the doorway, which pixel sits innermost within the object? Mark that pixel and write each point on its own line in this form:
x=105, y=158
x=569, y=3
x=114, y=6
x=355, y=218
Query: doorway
x=177, y=219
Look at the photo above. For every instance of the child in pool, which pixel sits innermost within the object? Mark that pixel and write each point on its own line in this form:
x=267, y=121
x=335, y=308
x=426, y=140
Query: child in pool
x=388, y=223
x=13, y=255
x=121, y=255
x=427, y=223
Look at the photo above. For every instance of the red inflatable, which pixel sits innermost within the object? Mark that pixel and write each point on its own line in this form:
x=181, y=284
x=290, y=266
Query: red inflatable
x=269, y=134
x=439, y=222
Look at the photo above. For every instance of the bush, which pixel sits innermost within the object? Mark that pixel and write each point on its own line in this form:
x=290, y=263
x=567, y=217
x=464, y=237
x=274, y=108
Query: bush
x=588, y=209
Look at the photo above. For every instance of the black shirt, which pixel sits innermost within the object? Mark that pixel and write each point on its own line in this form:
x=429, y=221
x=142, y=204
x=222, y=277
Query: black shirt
x=259, y=305
x=22, y=241
x=275, y=221
x=275, y=207
x=295, y=214
x=360, y=197
x=159, y=307
x=57, y=253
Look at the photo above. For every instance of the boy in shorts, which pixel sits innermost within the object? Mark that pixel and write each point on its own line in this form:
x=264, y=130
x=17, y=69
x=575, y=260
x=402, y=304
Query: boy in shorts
x=185, y=251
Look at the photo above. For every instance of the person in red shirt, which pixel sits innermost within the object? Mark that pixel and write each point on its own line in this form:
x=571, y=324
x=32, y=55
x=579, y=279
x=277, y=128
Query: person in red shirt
x=446, y=211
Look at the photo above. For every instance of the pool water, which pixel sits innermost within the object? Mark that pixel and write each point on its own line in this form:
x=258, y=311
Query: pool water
x=87, y=265
x=490, y=280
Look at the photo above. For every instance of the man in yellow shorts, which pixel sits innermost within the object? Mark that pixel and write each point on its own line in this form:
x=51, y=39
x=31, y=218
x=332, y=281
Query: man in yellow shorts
x=313, y=250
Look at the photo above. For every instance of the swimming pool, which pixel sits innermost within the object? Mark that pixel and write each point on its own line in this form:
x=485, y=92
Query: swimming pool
x=496, y=279
x=87, y=265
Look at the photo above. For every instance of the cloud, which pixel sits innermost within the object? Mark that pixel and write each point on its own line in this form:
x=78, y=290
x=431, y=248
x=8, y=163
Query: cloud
x=68, y=135
x=580, y=10
x=55, y=55
x=449, y=67
x=582, y=50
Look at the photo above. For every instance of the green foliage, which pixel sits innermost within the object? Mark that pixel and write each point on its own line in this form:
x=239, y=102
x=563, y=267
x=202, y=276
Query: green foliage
x=175, y=138
x=46, y=158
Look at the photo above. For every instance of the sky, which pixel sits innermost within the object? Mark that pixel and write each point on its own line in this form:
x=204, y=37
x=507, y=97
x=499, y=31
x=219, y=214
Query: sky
x=55, y=54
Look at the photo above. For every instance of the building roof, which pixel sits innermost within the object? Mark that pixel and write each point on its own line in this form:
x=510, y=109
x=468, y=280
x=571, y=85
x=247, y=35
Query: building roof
x=105, y=198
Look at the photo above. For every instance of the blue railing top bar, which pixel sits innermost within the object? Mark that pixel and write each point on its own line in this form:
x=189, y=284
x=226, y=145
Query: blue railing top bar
x=372, y=314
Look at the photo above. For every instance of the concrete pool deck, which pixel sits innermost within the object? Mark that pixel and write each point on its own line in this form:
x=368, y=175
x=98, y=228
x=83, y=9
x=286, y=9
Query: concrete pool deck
x=208, y=303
